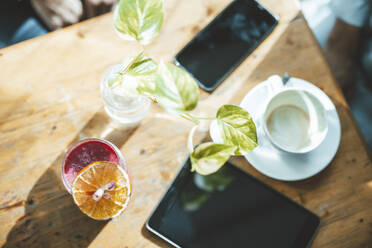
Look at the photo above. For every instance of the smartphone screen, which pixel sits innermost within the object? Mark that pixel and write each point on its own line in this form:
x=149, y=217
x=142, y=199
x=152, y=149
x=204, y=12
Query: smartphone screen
x=223, y=44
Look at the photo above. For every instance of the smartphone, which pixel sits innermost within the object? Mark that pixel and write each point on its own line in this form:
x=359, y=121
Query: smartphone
x=224, y=43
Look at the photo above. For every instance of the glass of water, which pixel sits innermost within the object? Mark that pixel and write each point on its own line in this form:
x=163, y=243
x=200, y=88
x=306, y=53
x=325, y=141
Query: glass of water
x=123, y=104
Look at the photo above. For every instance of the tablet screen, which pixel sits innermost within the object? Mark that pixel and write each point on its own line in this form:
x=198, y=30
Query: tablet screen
x=229, y=209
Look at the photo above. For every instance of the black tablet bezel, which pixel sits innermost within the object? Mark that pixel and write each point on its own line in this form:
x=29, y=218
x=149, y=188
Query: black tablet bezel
x=239, y=61
x=304, y=239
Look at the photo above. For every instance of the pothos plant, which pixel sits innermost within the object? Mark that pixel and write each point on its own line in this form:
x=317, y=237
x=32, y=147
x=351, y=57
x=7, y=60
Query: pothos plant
x=175, y=90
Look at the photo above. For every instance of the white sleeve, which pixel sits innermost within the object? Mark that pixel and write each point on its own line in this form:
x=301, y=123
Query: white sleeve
x=353, y=12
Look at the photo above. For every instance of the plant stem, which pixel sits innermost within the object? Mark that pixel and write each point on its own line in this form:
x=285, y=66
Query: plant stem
x=189, y=117
x=204, y=118
x=190, y=144
x=196, y=119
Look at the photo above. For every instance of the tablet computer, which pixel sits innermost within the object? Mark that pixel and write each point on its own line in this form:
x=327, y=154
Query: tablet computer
x=229, y=209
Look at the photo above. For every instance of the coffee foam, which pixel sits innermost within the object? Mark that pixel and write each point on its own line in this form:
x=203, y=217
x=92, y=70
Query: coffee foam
x=289, y=126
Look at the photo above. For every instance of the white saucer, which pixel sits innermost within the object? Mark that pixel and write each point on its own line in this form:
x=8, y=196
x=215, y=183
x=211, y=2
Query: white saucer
x=282, y=165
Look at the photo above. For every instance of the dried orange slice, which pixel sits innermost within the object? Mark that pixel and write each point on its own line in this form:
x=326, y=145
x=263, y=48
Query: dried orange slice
x=102, y=190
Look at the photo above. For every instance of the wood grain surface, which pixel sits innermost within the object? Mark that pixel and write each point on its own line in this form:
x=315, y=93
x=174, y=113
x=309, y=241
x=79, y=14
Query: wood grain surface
x=50, y=98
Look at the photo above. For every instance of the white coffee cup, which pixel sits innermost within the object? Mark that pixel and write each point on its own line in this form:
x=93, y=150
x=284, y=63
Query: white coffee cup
x=294, y=119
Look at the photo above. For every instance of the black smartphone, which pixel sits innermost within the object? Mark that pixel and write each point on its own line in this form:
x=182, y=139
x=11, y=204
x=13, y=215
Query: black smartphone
x=229, y=208
x=224, y=43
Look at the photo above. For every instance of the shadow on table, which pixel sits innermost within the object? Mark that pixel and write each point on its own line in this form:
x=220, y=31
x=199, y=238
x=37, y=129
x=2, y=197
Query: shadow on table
x=51, y=217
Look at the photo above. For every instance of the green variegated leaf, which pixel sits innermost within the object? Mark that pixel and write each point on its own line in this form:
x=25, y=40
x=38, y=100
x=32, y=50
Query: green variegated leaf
x=138, y=65
x=147, y=86
x=133, y=69
x=208, y=157
x=173, y=88
x=139, y=20
x=141, y=65
x=237, y=128
x=176, y=90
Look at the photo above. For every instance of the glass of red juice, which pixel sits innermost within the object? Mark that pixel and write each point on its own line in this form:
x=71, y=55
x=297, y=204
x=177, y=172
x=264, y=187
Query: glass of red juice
x=86, y=152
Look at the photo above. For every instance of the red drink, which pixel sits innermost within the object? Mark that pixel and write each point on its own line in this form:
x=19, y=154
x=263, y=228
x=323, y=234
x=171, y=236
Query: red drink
x=86, y=152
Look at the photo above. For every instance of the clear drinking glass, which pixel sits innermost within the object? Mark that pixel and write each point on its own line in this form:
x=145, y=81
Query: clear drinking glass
x=86, y=152
x=121, y=104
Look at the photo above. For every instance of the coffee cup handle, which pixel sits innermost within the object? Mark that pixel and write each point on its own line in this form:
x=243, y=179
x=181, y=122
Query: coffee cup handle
x=276, y=84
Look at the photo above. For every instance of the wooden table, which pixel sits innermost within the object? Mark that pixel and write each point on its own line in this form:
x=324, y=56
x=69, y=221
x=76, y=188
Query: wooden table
x=50, y=98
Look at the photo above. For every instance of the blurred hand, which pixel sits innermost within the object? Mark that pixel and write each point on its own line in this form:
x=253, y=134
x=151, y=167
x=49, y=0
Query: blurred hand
x=98, y=7
x=58, y=13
